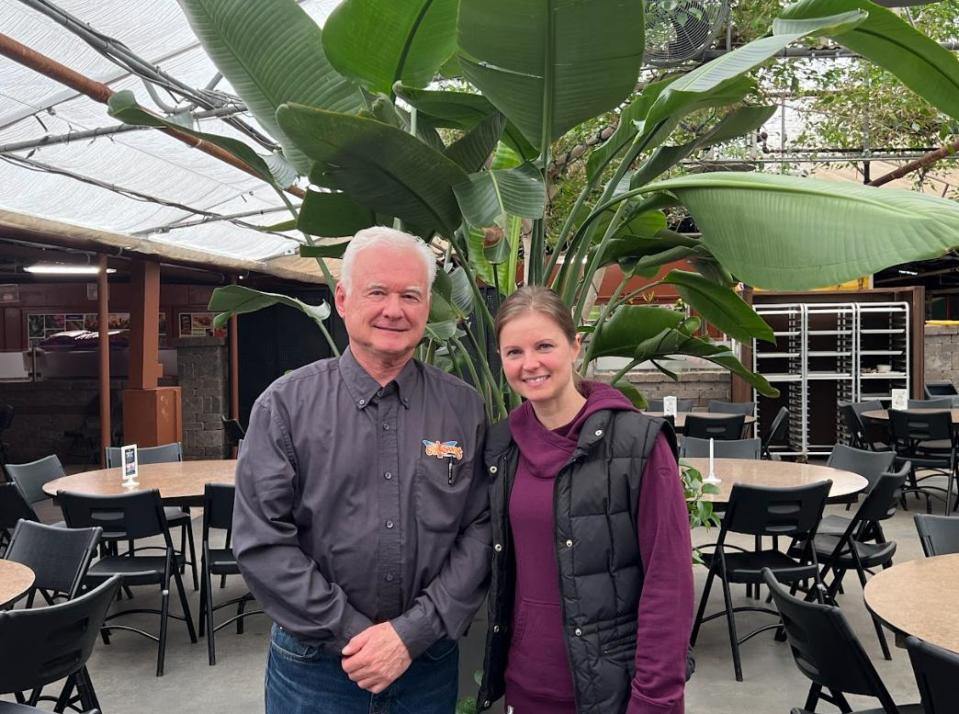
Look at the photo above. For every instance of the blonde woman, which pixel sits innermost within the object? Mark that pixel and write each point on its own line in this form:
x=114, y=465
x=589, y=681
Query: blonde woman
x=591, y=599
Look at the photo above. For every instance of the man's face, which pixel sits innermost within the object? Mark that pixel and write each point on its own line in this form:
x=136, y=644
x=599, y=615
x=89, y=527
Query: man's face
x=389, y=301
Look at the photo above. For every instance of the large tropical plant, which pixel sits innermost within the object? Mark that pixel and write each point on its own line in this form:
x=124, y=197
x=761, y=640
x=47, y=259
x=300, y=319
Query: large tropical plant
x=363, y=123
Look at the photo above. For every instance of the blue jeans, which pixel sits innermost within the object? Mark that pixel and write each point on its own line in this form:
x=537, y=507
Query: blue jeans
x=303, y=679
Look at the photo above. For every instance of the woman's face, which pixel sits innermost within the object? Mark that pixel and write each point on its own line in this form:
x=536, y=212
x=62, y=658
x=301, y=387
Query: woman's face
x=537, y=357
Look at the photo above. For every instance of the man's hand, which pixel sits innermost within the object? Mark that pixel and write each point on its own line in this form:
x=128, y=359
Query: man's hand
x=376, y=657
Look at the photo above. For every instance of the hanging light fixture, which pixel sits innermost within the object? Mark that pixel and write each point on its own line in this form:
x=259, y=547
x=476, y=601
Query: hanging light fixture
x=44, y=268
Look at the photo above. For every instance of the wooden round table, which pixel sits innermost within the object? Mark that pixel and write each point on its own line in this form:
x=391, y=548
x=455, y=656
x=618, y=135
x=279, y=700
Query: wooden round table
x=915, y=598
x=883, y=415
x=15, y=580
x=681, y=417
x=180, y=483
x=778, y=474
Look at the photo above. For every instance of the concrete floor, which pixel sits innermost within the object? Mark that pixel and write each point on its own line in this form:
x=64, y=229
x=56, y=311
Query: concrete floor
x=123, y=673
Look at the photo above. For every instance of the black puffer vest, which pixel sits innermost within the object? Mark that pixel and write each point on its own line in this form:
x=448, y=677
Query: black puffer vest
x=595, y=499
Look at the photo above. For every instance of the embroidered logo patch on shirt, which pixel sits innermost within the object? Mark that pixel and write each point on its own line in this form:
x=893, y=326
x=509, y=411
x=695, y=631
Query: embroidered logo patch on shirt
x=443, y=449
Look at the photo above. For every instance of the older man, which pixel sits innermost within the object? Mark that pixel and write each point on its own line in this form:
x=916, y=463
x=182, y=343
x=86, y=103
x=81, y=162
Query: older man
x=361, y=520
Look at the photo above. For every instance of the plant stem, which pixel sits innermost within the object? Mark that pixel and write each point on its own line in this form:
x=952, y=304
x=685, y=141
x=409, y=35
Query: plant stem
x=623, y=371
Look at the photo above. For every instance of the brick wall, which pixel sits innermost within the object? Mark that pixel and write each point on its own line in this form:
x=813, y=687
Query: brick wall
x=701, y=385
x=203, y=371
x=942, y=353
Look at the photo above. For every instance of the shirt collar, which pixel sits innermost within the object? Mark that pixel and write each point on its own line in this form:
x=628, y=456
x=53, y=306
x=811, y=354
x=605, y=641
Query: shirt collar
x=364, y=389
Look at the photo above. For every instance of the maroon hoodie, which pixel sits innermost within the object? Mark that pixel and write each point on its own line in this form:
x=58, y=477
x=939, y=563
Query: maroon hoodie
x=538, y=677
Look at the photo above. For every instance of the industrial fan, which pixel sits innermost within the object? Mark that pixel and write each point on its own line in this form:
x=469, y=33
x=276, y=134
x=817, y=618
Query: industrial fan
x=681, y=30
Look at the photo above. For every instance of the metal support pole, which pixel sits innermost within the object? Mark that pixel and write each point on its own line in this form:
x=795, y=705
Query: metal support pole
x=103, y=330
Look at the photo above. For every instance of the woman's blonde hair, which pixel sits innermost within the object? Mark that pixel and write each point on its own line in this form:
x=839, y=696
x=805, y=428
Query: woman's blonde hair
x=536, y=298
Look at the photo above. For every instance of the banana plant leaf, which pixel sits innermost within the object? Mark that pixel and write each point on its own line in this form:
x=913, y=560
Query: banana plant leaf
x=542, y=62
x=379, y=166
x=271, y=53
x=123, y=106
x=237, y=299
x=473, y=149
x=420, y=38
x=332, y=215
x=922, y=64
x=720, y=306
x=790, y=233
x=487, y=196
x=324, y=250
x=629, y=325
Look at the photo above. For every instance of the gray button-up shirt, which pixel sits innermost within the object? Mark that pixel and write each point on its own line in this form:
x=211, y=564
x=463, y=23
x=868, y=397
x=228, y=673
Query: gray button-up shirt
x=357, y=504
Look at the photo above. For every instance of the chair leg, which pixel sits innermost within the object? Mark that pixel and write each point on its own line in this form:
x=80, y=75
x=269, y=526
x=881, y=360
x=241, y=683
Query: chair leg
x=229, y=536
x=240, y=609
x=883, y=645
x=185, y=605
x=188, y=530
x=164, y=619
x=812, y=699
x=63, y=701
x=88, y=695
x=207, y=604
x=201, y=619
x=733, y=637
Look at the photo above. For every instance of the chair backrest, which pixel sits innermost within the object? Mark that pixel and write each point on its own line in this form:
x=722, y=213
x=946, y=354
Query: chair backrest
x=131, y=515
x=163, y=454
x=217, y=507
x=717, y=406
x=6, y=416
x=882, y=499
x=853, y=422
x=939, y=535
x=937, y=674
x=234, y=430
x=825, y=648
x=703, y=427
x=776, y=432
x=31, y=477
x=682, y=405
x=940, y=389
x=908, y=427
x=868, y=464
x=44, y=644
x=694, y=448
x=940, y=403
x=58, y=557
x=760, y=510
x=13, y=507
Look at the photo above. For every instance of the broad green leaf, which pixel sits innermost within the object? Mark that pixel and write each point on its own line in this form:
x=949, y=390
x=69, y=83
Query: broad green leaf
x=461, y=294
x=629, y=325
x=632, y=394
x=380, y=42
x=332, y=215
x=379, y=166
x=441, y=331
x=922, y=64
x=734, y=125
x=452, y=296
x=720, y=306
x=498, y=253
x=324, y=250
x=648, y=266
x=672, y=342
x=479, y=262
x=629, y=248
x=788, y=233
x=461, y=110
x=473, y=149
x=271, y=53
x=486, y=197
x=549, y=65
x=123, y=106
x=237, y=299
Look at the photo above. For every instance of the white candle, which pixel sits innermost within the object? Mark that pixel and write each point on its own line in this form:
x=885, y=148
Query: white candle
x=712, y=471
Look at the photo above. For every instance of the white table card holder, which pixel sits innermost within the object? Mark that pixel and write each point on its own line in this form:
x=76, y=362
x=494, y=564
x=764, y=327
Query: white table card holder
x=669, y=406
x=711, y=477
x=900, y=398
x=128, y=464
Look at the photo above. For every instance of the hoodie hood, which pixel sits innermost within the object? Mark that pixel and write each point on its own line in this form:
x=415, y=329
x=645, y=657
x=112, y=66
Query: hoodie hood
x=545, y=451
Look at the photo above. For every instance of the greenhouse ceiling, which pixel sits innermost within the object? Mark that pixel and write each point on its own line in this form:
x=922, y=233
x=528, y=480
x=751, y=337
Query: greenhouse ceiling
x=63, y=160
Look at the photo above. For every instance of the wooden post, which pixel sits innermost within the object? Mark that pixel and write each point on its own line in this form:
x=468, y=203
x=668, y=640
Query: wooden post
x=103, y=330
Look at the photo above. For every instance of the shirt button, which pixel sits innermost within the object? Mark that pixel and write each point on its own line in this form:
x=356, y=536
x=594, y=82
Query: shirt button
x=379, y=392
x=578, y=632
x=498, y=547
x=389, y=524
x=598, y=432
x=569, y=544
x=389, y=577
x=361, y=402
x=386, y=427
x=495, y=628
x=387, y=475
x=492, y=469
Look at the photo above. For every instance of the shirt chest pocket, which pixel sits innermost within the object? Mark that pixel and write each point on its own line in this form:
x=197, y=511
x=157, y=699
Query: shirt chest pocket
x=442, y=487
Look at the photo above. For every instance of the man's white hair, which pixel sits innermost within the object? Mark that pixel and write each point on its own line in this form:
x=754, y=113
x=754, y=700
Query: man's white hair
x=384, y=236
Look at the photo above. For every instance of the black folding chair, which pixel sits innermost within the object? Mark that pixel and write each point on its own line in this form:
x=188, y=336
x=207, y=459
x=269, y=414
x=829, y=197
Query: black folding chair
x=218, y=515
x=939, y=535
x=176, y=517
x=864, y=434
x=717, y=406
x=235, y=431
x=32, y=476
x=46, y=644
x=703, y=427
x=926, y=439
x=694, y=448
x=828, y=653
x=868, y=464
x=759, y=511
x=13, y=508
x=58, y=557
x=776, y=432
x=937, y=674
x=135, y=515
